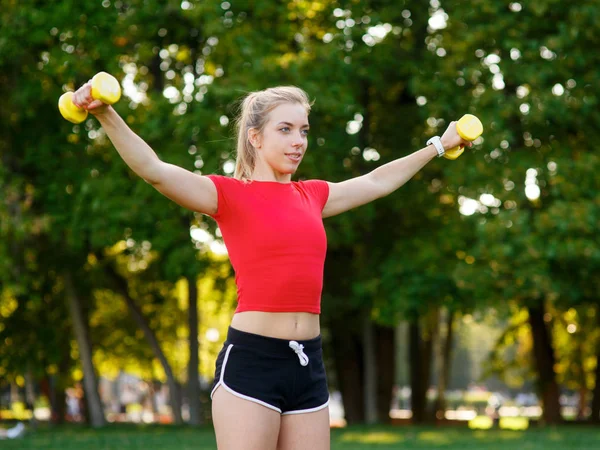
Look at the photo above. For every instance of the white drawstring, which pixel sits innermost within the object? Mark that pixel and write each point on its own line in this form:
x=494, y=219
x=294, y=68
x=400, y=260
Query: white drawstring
x=298, y=349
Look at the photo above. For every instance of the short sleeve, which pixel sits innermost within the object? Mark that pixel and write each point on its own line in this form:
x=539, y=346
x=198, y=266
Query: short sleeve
x=319, y=190
x=221, y=184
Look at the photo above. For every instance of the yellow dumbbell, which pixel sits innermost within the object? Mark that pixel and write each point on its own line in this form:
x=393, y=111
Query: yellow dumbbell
x=105, y=88
x=469, y=128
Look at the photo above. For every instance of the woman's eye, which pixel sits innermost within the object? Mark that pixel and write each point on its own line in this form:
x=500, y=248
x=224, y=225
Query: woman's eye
x=284, y=129
x=305, y=132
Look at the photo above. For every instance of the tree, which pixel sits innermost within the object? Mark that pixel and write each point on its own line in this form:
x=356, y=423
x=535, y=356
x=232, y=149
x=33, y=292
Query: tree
x=385, y=75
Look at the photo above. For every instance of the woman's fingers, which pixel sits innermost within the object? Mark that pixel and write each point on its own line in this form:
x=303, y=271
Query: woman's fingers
x=451, y=138
x=83, y=96
x=94, y=104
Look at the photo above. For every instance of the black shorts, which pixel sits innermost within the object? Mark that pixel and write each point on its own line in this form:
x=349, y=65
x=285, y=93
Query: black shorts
x=286, y=376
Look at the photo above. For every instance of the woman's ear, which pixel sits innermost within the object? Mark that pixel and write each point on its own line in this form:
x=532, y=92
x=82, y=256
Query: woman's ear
x=254, y=137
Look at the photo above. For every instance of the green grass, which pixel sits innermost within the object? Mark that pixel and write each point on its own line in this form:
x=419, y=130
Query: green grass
x=129, y=437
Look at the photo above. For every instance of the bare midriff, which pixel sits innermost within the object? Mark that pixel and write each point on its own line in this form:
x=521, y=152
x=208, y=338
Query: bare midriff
x=282, y=325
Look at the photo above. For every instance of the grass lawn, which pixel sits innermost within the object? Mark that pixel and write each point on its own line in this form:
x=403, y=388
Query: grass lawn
x=129, y=437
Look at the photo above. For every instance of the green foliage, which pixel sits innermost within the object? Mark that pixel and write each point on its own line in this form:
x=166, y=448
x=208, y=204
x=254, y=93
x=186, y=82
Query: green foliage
x=530, y=74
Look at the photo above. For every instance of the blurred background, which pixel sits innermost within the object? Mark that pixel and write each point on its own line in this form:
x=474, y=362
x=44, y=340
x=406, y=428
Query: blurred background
x=473, y=291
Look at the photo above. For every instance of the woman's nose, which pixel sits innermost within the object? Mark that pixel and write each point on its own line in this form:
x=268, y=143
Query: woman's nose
x=298, y=139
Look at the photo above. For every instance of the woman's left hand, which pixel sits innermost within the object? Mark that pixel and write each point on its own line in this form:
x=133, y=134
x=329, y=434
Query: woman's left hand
x=451, y=139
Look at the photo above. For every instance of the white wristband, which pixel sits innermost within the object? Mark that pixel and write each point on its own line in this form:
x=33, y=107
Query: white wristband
x=437, y=143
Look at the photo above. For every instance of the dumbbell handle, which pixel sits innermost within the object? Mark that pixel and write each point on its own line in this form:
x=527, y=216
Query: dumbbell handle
x=469, y=128
x=105, y=88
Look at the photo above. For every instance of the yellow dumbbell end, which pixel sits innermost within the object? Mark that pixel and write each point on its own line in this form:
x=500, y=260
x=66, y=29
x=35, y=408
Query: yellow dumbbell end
x=454, y=153
x=469, y=128
x=69, y=111
x=106, y=88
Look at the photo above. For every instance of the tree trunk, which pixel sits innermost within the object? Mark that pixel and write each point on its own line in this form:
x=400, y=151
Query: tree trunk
x=152, y=392
x=583, y=393
x=57, y=387
x=385, y=355
x=30, y=395
x=370, y=376
x=174, y=395
x=544, y=363
x=440, y=403
x=46, y=391
x=583, y=390
x=417, y=382
x=14, y=393
x=420, y=353
x=49, y=390
x=347, y=355
x=595, y=416
x=193, y=383
x=80, y=327
x=429, y=338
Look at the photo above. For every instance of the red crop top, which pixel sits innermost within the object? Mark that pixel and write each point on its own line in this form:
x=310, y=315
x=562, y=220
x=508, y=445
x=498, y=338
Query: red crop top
x=276, y=242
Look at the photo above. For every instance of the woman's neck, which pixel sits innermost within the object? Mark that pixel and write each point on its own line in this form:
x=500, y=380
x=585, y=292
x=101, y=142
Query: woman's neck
x=262, y=173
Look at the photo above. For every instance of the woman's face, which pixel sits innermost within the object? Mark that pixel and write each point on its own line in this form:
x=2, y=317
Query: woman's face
x=283, y=141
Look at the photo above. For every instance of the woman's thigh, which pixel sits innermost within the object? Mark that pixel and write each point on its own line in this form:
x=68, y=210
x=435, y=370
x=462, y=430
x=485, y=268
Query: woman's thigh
x=241, y=424
x=306, y=431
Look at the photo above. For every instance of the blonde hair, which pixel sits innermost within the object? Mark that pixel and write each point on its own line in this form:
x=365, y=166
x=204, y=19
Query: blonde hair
x=254, y=113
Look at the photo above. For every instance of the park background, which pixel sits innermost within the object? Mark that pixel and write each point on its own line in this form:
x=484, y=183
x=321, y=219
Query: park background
x=473, y=290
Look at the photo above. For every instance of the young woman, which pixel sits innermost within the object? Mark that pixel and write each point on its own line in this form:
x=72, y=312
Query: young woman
x=270, y=389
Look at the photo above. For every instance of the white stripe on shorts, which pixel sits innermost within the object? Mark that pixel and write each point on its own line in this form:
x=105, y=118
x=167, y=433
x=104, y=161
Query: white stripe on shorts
x=237, y=394
x=303, y=411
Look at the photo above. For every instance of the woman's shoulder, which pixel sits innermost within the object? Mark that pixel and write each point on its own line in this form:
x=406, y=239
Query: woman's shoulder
x=315, y=188
x=225, y=181
x=229, y=194
x=223, y=178
x=314, y=184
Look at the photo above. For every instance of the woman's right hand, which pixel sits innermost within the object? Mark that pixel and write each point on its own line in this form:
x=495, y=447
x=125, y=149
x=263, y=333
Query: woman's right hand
x=82, y=98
